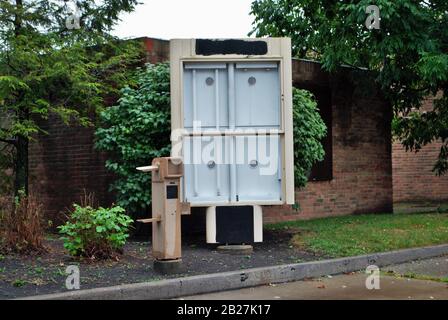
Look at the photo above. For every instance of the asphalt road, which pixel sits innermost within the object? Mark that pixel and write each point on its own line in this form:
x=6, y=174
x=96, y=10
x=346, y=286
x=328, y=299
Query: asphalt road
x=353, y=286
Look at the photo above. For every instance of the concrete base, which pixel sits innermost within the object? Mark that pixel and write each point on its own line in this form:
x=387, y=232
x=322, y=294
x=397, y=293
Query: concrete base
x=236, y=249
x=168, y=266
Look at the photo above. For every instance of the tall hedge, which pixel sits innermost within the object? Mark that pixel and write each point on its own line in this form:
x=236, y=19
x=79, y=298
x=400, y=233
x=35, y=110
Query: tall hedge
x=135, y=131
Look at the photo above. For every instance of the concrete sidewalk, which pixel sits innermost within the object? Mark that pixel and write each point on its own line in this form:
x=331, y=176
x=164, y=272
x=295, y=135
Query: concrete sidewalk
x=352, y=286
x=433, y=267
x=239, y=279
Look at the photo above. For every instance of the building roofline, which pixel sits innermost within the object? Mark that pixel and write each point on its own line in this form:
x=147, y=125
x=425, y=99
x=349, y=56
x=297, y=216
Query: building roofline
x=320, y=63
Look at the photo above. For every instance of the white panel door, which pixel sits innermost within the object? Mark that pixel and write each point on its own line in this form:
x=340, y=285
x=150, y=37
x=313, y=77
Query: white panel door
x=231, y=169
x=257, y=90
x=206, y=177
x=258, y=176
x=205, y=95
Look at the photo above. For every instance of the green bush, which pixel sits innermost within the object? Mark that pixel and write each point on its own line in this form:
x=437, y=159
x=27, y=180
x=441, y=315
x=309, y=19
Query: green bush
x=95, y=233
x=134, y=132
x=138, y=129
x=309, y=129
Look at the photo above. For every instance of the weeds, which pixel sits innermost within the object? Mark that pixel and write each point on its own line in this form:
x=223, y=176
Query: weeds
x=21, y=226
x=19, y=283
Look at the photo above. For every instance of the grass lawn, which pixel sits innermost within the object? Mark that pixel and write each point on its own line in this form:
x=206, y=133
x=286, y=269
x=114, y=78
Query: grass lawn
x=361, y=234
x=410, y=275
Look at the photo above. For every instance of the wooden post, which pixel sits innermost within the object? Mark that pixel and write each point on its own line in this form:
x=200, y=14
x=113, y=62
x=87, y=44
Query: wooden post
x=166, y=207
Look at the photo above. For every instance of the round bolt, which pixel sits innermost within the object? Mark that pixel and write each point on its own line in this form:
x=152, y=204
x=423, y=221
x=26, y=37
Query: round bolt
x=211, y=164
x=253, y=163
x=252, y=81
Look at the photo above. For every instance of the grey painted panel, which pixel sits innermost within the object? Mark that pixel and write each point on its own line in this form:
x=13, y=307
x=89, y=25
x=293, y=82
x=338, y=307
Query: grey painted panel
x=211, y=181
x=206, y=98
x=246, y=171
x=202, y=65
x=256, y=65
x=257, y=97
x=257, y=175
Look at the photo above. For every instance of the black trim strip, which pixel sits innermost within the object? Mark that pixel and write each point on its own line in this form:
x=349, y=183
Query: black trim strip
x=207, y=47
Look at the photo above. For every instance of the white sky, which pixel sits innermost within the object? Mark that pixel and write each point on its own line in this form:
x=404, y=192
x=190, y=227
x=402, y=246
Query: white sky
x=168, y=19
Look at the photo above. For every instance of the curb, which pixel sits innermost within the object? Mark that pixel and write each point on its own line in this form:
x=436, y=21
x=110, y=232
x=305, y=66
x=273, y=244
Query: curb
x=173, y=288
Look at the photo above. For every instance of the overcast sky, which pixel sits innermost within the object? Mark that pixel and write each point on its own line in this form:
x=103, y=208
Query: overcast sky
x=168, y=19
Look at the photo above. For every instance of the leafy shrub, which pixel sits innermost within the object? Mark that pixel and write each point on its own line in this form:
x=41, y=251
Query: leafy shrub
x=135, y=131
x=95, y=233
x=309, y=129
x=21, y=224
x=138, y=130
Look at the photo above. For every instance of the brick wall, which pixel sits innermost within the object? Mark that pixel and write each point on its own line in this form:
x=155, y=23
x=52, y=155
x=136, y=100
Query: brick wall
x=64, y=163
x=156, y=50
x=362, y=169
x=413, y=178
